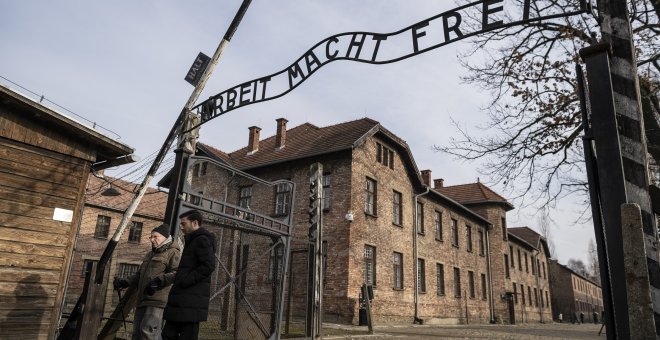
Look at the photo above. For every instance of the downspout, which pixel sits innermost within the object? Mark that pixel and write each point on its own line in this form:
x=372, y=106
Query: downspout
x=416, y=318
x=491, y=302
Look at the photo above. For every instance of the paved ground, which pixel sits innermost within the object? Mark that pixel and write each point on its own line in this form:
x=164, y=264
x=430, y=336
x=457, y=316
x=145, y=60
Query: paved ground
x=477, y=331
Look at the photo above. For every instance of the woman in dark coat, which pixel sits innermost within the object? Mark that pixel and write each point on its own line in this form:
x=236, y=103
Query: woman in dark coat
x=188, y=301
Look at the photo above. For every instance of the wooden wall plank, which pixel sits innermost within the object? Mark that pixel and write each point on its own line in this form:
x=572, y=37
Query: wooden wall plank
x=37, y=291
x=26, y=154
x=28, y=236
x=29, y=275
x=31, y=249
x=34, y=224
x=18, y=195
x=45, y=174
x=41, y=135
x=30, y=261
x=37, y=186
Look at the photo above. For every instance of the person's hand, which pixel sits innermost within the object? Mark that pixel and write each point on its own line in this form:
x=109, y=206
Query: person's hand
x=119, y=283
x=153, y=285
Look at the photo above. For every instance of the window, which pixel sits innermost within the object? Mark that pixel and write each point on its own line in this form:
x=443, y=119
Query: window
x=538, y=267
x=384, y=156
x=421, y=276
x=504, y=233
x=397, y=208
x=397, y=271
x=482, y=250
x=529, y=295
x=515, y=293
x=526, y=264
x=199, y=169
x=326, y=191
x=370, y=197
x=126, y=270
x=135, y=232
x=513, y=265
x=536, y=298
x=370, y=265
x=519, y=260
x=438, y=225
x=102, y=226
x=87, y=266
x=547, y=301
x=541, y=294
x=420, y=218
x=483, y=287
x=245, y=197
x=324, y=249
x=533, y=267
x=440, y=268
x=522, y=291
x=457, y=282
x=545, y=277
x=275, y=263
x=454, y=232
x=471, y=284
x=468, y=237
x=507, y=274
x=282, y=198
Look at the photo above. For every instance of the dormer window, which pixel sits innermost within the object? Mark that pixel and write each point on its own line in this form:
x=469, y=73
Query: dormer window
x=384, y=155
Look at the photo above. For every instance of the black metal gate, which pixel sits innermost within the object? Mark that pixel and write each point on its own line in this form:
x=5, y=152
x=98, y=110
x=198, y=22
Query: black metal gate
x=251, y=219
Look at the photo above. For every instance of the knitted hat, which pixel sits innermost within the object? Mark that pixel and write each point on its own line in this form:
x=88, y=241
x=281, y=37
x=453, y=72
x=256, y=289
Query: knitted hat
x=163, y=229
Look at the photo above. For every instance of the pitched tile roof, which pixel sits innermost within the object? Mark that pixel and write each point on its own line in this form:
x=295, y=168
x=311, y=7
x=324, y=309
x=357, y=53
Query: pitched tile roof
x=152, y=203
x=301, y=141
x=529, y=236
x=473, y=193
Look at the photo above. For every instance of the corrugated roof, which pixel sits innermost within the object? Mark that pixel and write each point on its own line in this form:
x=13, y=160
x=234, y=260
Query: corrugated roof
x=473, y=193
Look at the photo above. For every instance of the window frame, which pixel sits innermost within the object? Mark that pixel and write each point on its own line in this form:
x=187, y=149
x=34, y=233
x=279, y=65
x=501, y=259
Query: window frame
x=371, y=197
x=455, y=241
x=468, y=237
x=440, y=278
x=457, y=282
x=419, y=222
x=245, y=196
x=397, y=271
x=421, y=275
x=132, y=231
x=282, y=199
x=105, y=232
x=370, y=264
x=397, y=208
x=438, y=225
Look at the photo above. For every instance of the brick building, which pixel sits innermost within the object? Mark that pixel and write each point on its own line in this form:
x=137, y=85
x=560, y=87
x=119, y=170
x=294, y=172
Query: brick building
x=100, y=218
x=574, y=293
x=433, y=253
x=527, y=275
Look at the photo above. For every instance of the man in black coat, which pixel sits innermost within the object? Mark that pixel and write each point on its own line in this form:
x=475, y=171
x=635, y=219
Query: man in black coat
x=188, y=302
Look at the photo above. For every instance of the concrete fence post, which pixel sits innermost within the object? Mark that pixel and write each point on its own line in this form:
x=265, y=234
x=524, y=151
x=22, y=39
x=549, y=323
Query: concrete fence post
x=640, y=307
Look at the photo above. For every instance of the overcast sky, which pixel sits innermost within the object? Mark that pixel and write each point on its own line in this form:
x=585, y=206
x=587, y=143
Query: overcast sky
x=121, y=65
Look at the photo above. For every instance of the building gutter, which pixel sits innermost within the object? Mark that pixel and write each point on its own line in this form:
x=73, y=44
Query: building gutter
x=416, y=318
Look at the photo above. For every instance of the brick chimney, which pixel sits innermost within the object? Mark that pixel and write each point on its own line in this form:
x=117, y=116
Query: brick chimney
x=438, y=183
x=280, y=138
x=426, y=177
x=253, y=142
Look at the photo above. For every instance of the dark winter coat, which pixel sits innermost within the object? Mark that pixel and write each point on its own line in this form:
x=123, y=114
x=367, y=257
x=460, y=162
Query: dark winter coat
x=159, y=263
x=189, y=296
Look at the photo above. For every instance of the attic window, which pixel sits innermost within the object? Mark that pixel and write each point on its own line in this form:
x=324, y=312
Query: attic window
x=384, y=155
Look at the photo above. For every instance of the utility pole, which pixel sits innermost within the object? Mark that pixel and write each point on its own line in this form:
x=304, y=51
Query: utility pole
x=621, y=158
x=183, y=121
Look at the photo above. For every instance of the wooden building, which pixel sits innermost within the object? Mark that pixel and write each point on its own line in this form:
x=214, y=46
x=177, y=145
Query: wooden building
x=45, y=161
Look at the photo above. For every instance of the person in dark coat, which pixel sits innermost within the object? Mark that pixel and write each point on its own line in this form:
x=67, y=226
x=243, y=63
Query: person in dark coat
x=188, y=302
x=152, y=282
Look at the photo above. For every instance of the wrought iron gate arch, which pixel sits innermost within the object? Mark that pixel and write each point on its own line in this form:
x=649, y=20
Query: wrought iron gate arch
x=224, y=209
